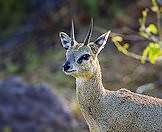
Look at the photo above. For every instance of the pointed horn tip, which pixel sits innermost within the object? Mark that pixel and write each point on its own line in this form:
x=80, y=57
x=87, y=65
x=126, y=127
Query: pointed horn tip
x=72, y=24
x=72, y=30
x=92, y=19
x=72, y=21
x=87, y=39
x=91, y=22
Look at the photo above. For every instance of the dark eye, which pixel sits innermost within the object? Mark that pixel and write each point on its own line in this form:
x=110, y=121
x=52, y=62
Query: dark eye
x=83, y=57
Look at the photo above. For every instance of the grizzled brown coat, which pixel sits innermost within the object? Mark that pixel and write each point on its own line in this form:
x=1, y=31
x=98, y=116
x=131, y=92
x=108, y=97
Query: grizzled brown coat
x=104, y=110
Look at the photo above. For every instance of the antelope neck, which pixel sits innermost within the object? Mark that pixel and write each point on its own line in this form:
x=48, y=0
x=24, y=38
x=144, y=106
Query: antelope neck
x=89, y=90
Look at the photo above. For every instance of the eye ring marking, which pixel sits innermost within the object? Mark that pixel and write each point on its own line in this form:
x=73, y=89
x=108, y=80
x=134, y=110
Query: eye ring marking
x=83, y=57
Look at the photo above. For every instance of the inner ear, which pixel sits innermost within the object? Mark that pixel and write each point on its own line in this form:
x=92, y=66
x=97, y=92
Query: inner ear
x=65, y=40
x=99, y=43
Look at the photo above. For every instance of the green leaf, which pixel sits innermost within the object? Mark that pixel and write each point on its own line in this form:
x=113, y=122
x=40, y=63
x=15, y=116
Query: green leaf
x=153, y=52
x=117, y=39
x=143, y=34
x=144, y=55
x=152, y=29
x=126, y=46
x=155, y=7
x=154, y=3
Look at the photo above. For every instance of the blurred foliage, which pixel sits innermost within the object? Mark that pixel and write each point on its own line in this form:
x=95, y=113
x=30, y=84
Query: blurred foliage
x=12, y=14
x=7, y=129
x=91, y=6
x=124, y=48
x=101, y=8
x=117, y=40
x=14, y=31
x=41, y=68
x=153, y=52
x=15, y=14
x=151, y=32
x=46, y=67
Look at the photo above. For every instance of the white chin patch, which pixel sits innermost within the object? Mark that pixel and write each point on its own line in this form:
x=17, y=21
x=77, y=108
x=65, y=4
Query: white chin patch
x=69, y=72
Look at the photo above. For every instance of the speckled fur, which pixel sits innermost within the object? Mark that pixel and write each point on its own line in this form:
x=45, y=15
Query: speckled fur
x=117, y=111
x=104, y=110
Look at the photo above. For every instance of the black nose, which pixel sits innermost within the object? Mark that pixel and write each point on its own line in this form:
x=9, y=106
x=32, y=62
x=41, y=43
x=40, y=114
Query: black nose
x=66, y=66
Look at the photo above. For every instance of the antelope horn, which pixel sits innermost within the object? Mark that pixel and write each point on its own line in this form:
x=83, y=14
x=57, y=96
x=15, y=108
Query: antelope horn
x=72, y=33
x=88, y=37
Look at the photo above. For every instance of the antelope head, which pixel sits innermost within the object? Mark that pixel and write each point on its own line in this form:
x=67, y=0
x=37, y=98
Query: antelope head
x=81, y=58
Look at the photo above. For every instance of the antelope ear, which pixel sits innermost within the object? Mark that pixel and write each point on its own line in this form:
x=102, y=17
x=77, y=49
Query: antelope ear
x=99, y=43
x=65, y=40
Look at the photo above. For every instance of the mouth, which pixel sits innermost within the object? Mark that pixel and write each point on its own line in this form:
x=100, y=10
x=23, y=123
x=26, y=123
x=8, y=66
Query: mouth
x=70, y=71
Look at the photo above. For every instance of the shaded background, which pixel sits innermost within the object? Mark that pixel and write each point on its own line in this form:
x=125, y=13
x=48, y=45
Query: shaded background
x=30, y=47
